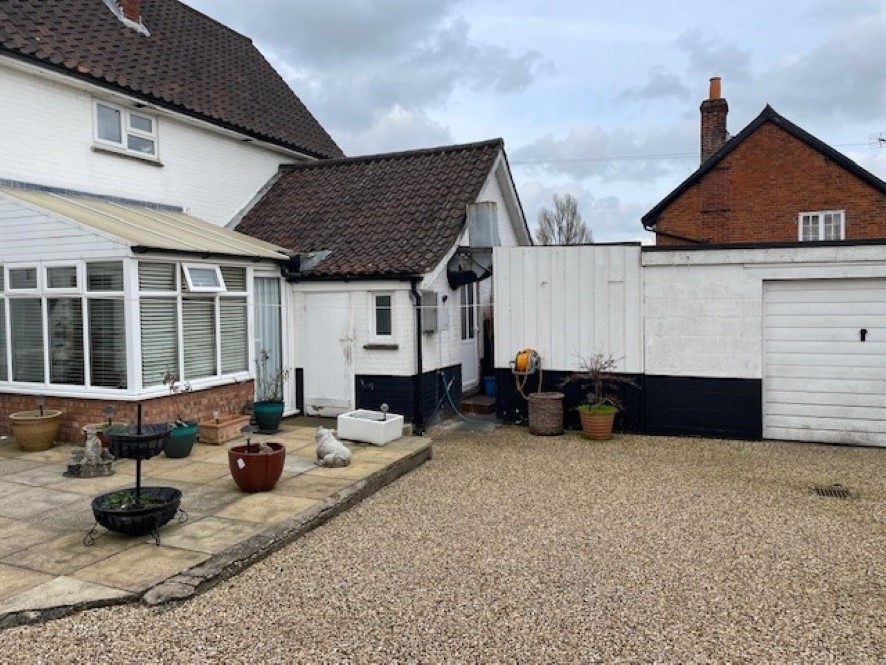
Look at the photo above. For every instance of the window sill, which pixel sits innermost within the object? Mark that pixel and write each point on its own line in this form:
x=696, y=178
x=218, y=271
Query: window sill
x=107, y=150
x=379, y=346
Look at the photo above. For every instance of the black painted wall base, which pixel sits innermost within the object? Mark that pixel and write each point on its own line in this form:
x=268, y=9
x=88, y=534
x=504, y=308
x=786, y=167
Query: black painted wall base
x=512, y=407
x=702, y=406
x=398, y=392
x=666, y=405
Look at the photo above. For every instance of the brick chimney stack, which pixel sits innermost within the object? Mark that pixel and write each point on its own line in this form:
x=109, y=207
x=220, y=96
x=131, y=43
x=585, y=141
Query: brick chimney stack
x=713, y=121
x=132, y=9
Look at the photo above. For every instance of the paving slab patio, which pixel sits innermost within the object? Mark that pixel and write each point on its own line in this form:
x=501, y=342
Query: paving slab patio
x=46, y=569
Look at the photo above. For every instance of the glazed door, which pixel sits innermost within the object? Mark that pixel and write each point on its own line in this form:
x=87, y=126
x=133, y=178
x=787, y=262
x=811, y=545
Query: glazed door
x=470, y=357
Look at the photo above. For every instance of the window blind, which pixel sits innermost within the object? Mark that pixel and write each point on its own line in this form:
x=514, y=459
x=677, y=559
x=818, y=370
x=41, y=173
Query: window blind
x=198, y=332
x=156, y=276
x=232, y=319
x=65, y=340
x=107, y=343
x=4, y=375
x=26, y=319
x=159, y=328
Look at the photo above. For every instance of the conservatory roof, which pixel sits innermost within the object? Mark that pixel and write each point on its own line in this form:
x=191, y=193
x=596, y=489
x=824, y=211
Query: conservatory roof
x=148, y=228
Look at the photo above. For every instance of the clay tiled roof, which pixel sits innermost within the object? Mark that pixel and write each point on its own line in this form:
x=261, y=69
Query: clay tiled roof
x=378, y=215
x=190, y=63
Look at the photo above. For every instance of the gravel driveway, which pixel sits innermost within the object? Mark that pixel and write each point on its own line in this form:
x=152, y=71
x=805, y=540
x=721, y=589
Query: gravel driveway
x=512, y=548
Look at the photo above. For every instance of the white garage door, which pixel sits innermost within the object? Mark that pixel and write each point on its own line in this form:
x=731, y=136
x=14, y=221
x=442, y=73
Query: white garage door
x=821, y=382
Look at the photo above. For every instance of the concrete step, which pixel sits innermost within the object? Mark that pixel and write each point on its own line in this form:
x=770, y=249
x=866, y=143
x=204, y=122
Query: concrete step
x=477, y=404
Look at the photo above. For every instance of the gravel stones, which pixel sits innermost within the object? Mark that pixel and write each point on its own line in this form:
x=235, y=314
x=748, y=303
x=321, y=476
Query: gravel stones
x=512, y=548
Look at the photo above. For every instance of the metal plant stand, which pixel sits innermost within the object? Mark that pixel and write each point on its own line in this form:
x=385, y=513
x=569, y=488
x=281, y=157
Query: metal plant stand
x=136, y=511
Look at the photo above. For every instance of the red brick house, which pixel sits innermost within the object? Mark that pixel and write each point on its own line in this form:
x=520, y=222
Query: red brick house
x=772, y=183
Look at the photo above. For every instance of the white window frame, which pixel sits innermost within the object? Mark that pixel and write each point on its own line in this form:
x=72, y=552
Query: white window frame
x=126, y=129
x=373, y=316
x=22, y=266
x=218, y=288
x=60, y=290
x=820, y=214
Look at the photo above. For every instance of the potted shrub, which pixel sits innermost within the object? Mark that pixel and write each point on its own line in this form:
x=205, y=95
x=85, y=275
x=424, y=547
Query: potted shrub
x=37, y=429
x=184, y=432
x=268, y=407
x=602, y=404
x=256, y=468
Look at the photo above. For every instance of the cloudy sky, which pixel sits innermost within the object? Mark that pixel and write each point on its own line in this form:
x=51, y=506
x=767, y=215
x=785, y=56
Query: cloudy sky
x=595, y=98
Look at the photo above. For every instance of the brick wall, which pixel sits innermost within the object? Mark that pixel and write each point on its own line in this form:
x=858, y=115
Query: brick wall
x=197, y=405
x=756, y=192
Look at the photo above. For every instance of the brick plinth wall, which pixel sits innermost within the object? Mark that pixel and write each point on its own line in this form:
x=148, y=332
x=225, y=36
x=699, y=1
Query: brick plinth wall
x=198, y=405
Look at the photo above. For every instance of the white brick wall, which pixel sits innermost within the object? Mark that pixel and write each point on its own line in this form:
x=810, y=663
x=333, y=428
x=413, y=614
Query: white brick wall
x=46, y=137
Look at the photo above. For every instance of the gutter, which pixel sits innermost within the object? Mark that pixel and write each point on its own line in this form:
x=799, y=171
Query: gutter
x=674, y=236
x=418, y=415
x=143, y=249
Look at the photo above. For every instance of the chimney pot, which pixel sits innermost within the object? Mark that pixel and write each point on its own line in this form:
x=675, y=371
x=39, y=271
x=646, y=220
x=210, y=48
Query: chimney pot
x=713, y=121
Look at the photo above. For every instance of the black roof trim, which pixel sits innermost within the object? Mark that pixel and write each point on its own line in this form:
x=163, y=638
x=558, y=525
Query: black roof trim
x=768, y=114
x=764, y=245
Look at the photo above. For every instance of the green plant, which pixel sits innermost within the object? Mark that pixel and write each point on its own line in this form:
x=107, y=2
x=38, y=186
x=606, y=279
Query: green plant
x=128, y=500
x=598, y=372
x=176, y=388
x=269, y=381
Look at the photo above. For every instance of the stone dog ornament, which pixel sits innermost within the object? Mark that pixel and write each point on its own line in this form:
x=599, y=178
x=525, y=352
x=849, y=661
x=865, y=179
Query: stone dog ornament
x=330, y=451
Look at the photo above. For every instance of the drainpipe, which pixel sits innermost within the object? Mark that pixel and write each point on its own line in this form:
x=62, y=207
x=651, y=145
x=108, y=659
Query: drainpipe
x=418, y=416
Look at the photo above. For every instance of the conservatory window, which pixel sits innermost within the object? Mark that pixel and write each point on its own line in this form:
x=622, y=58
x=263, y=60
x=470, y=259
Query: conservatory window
x=195, y=325
x=59, y=334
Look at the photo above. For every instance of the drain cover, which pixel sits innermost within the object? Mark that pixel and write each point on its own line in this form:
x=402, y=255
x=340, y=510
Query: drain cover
x=833, y=491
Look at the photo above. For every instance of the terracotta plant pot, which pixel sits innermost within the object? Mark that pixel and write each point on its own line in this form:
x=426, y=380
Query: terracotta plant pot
x=256, y=471
x=34, y=431
x=225, y=428
x=597, y=425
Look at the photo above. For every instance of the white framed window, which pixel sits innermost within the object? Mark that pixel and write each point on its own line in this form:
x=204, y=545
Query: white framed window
x=194, y=326
x=203, y=278
x=822, y=225
x=54, y=329
x=123, y=129
x=382, y=315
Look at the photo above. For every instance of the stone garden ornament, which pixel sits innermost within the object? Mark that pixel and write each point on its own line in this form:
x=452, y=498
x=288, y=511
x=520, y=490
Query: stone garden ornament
x=330, y=451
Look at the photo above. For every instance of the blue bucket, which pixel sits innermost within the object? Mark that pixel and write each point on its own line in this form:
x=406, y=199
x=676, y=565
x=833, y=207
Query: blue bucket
x=489, y=385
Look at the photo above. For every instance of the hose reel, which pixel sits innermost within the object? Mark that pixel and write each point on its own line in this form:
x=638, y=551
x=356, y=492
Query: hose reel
x=525, y=364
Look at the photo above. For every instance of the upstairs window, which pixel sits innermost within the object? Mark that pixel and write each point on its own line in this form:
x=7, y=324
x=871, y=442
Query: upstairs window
x=823, y=225
x=122, y=129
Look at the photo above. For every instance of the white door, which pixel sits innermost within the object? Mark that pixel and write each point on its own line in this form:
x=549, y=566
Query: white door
x=824, y=361
x=329, y=382
x=470, y=357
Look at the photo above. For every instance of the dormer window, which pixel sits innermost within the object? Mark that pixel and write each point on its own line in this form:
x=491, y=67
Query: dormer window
x=125, y=130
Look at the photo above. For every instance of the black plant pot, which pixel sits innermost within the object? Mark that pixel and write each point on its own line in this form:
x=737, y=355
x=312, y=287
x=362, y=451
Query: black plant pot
x=138, y=520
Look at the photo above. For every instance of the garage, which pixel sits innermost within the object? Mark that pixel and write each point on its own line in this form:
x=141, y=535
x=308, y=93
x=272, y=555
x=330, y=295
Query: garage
x=824, y=361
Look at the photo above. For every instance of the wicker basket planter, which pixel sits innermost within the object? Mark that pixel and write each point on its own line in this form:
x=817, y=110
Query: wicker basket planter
x=546, y=414
x=223, y=429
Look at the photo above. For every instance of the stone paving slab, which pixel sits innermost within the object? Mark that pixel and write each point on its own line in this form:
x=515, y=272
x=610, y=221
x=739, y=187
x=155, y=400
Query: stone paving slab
x=46, y=571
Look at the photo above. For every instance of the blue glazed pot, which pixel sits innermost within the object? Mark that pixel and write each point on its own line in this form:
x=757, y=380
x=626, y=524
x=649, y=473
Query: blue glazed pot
x=268, y=415
x=181, y=440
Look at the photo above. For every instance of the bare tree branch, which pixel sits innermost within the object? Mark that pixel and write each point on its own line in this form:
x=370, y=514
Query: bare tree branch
x=563, y=225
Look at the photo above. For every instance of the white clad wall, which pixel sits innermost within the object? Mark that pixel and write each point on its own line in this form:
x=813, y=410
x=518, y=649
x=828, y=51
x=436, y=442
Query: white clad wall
x=569, y=303
x=703, y=309
x=824, y=380
x=28, y=234
x=46, y=138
